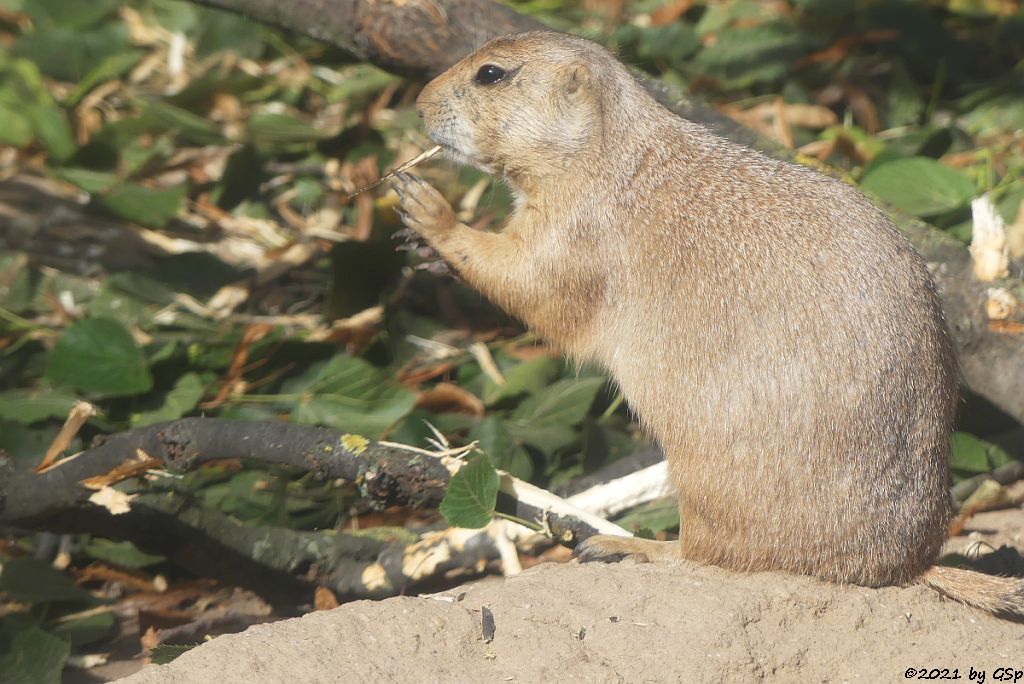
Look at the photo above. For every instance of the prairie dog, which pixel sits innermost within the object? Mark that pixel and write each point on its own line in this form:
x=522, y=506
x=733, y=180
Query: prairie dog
x=769, y=325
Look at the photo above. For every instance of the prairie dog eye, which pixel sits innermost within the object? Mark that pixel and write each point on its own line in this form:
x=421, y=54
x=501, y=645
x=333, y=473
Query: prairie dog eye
x=490, y=74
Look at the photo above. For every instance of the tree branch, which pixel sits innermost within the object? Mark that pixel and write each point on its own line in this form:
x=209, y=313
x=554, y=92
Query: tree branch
x=386, y=473
x=281, y=564
x=413, y=38
x=424, y=37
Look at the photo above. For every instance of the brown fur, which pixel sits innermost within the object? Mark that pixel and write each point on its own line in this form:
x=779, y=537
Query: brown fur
x=768, y=324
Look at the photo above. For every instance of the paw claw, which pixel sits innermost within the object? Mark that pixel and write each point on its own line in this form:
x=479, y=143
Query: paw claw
x=593, y=553
x=437, y=267
x=598, y=557
x=613, y=548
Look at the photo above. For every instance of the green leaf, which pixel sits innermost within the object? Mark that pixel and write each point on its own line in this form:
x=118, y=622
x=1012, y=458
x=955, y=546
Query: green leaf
x=743, y=56
x=99, y=355
x=528, y=377
x=79, y=15
x=16, y=282
x=972, y=456
x=280, y=129
x=35, y=658
x=919, y=185
x=248, y=495
x=190, y=126
x=658, y=515
x=671, y=42
x=110, y=68
x=546, y=438
x=187, y=392
x=89, y=180
x=223, y=31
x=28, y=111
x=144, y=205
x=85, y=630
x=564, y=403
x=28, y=406
x=26, y=446
x=472, y=494
x=413, y=428
x=496, y=441
x=15, y=129
x=33, y=581
x=360, y=80
x=165, y=653
x=67, y=54
x=349, y=394
x=130, y=298
x=122, y=553
x=998, y=115
x=54, y=131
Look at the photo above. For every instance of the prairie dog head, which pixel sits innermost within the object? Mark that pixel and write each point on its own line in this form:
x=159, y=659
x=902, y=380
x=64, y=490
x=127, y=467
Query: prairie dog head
x=526, y=106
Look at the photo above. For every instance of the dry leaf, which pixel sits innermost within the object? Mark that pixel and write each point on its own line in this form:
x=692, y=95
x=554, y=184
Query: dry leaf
x=448, y=398
x=101, y=572
x=483, y=357
x=838, y=51
x=1006, y=327
x=666, y=14
x=324, y=599
x=999, y=304
x=356, y=331
x=780, y=127
x=240, y=356
x=420, y=374
x=150, y=639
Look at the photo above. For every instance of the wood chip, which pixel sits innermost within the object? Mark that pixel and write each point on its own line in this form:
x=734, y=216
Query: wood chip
x=139, y=465
x=487, y=624
x=80, y=412
x=117, y=503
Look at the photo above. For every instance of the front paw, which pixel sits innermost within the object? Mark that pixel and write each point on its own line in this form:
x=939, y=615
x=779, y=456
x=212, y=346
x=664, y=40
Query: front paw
x=421, y=207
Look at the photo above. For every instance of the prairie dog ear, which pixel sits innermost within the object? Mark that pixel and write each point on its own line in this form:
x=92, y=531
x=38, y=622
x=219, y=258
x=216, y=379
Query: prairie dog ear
x=577, y=77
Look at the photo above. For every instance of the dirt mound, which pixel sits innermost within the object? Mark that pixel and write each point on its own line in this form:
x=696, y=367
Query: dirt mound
x=625, y=622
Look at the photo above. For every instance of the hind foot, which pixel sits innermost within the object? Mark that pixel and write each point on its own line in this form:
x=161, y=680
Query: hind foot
x=607, y=548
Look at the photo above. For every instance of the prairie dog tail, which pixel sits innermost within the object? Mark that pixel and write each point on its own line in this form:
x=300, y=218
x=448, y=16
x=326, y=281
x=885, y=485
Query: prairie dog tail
x=1002, y=596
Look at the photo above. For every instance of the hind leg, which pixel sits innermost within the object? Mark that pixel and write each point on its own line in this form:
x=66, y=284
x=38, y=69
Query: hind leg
x=607, y=548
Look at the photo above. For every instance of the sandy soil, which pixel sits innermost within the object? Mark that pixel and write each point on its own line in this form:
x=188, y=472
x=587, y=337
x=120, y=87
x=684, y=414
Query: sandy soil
x=627, y=622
